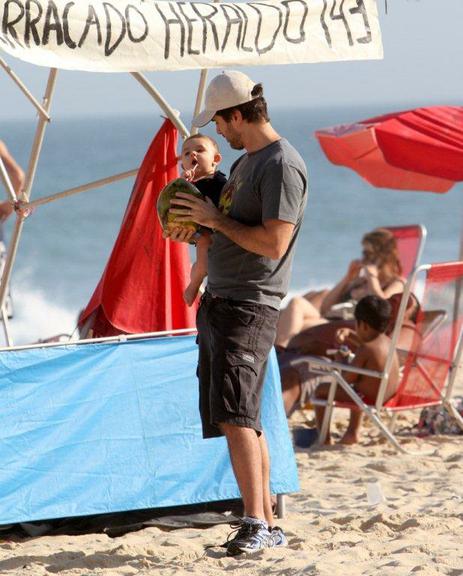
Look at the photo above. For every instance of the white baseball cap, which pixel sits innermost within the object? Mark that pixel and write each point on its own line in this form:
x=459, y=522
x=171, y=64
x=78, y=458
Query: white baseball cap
x=224, y=91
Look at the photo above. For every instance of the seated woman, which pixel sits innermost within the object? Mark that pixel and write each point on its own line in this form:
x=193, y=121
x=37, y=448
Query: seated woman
x=298, y=382
x=379, y=272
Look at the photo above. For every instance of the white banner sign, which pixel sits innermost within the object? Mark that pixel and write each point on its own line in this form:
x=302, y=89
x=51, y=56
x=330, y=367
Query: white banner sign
x=137, y=35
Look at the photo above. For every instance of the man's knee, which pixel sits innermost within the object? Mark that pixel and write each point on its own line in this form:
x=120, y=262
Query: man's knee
x=232, y=429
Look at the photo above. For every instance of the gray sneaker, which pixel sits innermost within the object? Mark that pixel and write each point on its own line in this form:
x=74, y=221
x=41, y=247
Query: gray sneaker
x=252, y=535
x=279, y=538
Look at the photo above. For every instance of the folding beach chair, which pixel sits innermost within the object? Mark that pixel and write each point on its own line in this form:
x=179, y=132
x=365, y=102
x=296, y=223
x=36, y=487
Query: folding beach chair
x=410, y=243
x=430, y=366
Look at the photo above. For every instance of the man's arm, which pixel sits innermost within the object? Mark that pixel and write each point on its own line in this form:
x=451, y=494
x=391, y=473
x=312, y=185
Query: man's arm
x=270, y=239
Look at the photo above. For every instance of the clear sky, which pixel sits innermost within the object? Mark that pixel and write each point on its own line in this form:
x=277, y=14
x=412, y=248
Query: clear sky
x=422, y=65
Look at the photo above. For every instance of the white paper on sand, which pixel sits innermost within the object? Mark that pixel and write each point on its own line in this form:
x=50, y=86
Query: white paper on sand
x=137, y=35
x=375, y=494
x=375, y=497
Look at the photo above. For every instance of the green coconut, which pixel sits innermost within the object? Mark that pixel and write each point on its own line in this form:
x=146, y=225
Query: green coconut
x=169, y=221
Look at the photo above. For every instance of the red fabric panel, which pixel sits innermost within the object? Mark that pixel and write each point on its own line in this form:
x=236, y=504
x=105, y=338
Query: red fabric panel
x=356, y=148
x=141, y=289
x=446, y=272
x=426, y=140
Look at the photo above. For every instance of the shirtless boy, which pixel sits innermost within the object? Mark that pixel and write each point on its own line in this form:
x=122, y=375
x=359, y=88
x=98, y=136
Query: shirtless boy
x=372, y=315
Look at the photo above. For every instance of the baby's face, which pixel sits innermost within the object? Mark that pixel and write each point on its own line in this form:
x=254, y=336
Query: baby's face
x=200, y=152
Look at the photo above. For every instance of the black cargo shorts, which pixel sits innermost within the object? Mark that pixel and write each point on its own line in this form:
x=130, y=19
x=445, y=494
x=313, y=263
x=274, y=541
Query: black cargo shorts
x=235, y=339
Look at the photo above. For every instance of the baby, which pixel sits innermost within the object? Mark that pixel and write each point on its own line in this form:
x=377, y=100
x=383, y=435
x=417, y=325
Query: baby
x=200, y=158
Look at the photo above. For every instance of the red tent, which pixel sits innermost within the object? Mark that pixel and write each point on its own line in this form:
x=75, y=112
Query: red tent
x=419, y=149
x=141, y=289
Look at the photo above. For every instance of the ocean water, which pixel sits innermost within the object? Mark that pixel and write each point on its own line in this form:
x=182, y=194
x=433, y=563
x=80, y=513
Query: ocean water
x=66, y=244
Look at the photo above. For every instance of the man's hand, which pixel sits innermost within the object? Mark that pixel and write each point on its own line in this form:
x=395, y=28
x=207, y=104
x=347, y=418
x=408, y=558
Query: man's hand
x=270, y=239
x=191, y=208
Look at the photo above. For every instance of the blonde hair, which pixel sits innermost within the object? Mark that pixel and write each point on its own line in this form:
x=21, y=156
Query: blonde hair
x=203, y=136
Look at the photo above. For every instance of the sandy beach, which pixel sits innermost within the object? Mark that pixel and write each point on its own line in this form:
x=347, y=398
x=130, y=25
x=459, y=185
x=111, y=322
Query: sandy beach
x=331, y=527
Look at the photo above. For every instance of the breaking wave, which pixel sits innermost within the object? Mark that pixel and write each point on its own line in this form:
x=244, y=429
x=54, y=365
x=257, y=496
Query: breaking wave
x=36, y=317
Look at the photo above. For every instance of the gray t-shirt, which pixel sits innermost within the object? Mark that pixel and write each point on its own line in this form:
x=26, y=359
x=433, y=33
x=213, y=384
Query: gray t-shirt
x=270, y=184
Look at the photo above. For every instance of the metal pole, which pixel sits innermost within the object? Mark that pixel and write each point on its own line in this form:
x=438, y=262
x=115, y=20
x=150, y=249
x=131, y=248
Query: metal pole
x=281, y=506
x=199, y=97
x=7, y=182
x=6, y=328
x=325, y=427
x=121, y=338
x=35, y=153
x=39, y=134
x=454, y=368
x=396, y=333
x=172, y=114
x=24, y=90
x=200, y=93
x=82, y=188
x=460, y=256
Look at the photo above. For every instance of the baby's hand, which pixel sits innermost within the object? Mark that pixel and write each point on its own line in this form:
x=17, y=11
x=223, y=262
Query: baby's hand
x=178, y=234
x=190, y=175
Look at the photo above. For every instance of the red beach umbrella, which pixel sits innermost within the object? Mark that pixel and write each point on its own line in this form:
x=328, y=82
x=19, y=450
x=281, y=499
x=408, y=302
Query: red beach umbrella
x=419, y=149
x=141, y=289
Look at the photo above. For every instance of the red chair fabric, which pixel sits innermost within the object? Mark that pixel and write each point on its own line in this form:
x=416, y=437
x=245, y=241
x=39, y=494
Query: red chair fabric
x=141, y=289
x=409, y=242
x=428, y=362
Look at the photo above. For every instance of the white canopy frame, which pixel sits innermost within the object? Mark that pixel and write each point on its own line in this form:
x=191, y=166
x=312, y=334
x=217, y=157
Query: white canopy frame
x=44, y=110
x=330, y=34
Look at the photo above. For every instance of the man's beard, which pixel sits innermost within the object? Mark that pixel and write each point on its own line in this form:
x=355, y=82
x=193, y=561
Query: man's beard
x=235, y=145
x=234, y=140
